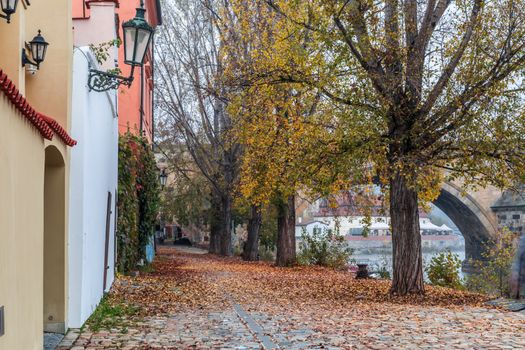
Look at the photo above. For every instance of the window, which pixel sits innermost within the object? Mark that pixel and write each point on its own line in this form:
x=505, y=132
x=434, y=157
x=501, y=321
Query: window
x=516, y=216
x=356, y=231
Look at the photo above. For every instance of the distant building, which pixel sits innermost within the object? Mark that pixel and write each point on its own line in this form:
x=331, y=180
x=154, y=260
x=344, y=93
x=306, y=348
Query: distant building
x=311, y=227
x=347, y=214
x=510, y=211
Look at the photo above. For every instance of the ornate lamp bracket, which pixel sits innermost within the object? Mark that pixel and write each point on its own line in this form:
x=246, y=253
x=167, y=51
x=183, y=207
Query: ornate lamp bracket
x=103, y=81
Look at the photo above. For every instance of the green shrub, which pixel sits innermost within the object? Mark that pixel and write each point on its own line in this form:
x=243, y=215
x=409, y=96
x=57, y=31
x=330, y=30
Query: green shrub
x=493, y=271
x=444, y=269
x=324, y=248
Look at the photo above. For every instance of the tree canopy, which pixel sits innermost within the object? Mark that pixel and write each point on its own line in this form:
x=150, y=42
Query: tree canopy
x=341, y=92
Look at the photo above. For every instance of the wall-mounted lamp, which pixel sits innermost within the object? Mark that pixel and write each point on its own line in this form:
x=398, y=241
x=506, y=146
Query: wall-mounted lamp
x=8, y=8
x=163, y=177
x=137, y=36
x=38, y=49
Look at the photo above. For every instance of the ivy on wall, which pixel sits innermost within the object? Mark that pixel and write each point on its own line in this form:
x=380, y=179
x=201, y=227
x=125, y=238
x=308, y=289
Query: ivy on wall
x=138, y=200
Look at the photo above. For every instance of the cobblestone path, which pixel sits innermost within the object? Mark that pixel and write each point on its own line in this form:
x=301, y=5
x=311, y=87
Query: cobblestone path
x=255, y=318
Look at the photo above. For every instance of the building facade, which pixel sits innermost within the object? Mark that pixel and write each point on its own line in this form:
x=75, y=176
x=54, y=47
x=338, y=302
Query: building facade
x=35, y=112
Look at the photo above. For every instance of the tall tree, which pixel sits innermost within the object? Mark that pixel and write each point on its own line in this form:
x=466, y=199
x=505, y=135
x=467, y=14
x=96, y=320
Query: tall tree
x=415, y=88
x=286, y=245
x=190, y=92
x=251, y=248
x=270, y=120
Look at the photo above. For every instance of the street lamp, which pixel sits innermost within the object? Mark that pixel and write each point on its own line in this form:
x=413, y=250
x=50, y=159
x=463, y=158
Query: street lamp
x=163, y=177
x=9, y=8
x=137, y=36
x=38, y=48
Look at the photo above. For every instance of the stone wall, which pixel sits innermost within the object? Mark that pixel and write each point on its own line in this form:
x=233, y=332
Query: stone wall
x=512, y=218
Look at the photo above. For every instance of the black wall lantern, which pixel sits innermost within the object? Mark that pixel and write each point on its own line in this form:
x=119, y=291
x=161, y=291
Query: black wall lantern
x=8, y=8
x=137, y=36
x=38, y=49
x=163, y=177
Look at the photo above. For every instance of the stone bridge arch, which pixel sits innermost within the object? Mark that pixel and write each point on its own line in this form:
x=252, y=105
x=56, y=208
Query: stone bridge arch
x=471, y=213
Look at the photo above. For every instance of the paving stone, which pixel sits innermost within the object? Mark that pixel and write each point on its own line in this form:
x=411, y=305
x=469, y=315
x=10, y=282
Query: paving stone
x=293, y=327
x=52, y=340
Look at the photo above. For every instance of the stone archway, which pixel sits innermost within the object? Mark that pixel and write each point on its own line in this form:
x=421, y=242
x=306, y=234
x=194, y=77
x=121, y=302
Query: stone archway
x=54, y=242
x=469, y=216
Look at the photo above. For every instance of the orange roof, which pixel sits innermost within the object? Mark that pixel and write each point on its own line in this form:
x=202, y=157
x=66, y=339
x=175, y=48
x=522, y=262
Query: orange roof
x=47, y=126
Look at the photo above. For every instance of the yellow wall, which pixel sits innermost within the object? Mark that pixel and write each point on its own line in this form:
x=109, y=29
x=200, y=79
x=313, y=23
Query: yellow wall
x=24, y=257
x=12, y=38
x=21, y=218
x=50, y=89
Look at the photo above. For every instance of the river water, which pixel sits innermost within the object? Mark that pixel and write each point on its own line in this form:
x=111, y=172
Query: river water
x=377, y=258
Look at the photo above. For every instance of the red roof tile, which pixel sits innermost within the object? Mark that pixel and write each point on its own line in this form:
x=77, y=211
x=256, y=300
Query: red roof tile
x=47, y=126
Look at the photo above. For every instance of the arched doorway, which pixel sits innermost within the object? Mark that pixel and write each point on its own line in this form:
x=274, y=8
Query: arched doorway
x=54, y=242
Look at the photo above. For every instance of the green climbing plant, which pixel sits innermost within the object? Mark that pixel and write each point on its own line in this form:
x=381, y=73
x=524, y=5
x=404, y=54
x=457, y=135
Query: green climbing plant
x=138, y=200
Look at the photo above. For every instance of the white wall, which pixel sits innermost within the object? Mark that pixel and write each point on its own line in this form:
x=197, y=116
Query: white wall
x=94, y=169
x=310, y=228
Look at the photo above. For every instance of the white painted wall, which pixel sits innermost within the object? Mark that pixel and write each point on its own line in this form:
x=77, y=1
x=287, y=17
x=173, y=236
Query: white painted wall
x=310, y=228
x=93, y=173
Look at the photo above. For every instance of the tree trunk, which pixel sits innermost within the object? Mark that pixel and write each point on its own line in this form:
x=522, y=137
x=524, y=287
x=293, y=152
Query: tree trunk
x=226, y=226
x=215, y=225
x=406, y=238
x=251, y=248
x=286, y=253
